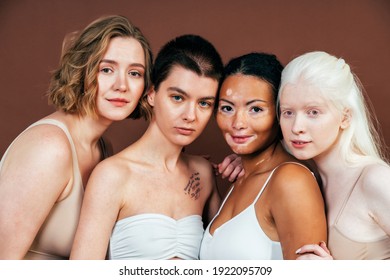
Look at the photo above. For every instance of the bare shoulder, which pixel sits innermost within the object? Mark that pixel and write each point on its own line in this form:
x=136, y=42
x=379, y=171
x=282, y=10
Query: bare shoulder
x=294, y=174
x=45, y=144
x=111, y=172
x=375, y=179
x=40, y=161
x=199, y=163
x=291, y=180
x=202, y=168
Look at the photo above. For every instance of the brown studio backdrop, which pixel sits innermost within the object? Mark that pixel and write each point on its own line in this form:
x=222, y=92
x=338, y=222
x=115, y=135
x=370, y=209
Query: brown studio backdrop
x=31, y=34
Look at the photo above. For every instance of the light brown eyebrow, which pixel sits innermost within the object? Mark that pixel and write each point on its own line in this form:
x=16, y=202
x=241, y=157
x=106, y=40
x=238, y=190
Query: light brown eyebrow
x=116, y=63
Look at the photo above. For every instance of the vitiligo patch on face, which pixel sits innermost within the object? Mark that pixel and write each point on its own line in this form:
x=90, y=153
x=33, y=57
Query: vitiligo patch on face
x=193, y=186
x=229, y=92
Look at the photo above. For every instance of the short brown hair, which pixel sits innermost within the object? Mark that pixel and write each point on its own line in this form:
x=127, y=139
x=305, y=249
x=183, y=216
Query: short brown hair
x=73, y=87
x=192, y=52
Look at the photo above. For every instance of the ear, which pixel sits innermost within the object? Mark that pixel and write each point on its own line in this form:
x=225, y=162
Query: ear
x=346, y=120
x=151, y=94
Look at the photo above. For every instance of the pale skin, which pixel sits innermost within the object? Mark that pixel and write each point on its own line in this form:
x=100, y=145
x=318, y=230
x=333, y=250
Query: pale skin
x=306, y=118
x=37, y=172
x=151, y=175
x=247, y=118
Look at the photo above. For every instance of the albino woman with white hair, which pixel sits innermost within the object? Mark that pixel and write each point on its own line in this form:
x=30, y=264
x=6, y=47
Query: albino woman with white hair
x=324, y=117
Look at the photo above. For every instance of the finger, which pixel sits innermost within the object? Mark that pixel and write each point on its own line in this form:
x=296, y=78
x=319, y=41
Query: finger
x=235, y=161
x=309, y=248
x=308, y=257
x=313, y=249
x=227, y=171
x=323, y=246
x=225, y=163
x=234, y=175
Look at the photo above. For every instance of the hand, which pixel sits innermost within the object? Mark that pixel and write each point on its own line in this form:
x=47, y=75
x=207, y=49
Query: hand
x=314, y=252
x=230, y=167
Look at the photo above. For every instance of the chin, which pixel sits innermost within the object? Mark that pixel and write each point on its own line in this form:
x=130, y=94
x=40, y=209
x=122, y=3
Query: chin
x=240, y=151
x=301, y=156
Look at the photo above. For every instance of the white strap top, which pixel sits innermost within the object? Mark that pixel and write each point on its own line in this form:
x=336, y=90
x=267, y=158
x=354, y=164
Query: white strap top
x=156, y=237
x=240, y=238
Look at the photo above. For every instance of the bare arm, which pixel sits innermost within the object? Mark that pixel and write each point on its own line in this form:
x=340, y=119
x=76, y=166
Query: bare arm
x=298, y=209
x=34, y=176
x=101, y=205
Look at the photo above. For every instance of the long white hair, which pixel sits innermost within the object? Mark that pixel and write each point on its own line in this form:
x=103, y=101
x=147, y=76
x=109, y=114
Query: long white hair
x=360, y=142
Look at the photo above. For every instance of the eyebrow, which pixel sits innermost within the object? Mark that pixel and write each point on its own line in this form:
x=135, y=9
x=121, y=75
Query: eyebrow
x=115, y=62
x=248, y=103
x=179, y=90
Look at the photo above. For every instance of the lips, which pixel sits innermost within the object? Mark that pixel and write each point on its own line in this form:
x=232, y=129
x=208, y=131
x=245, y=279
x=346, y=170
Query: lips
x=299, y=144
x=240, y=139
x=118, y=102
x=184, y=130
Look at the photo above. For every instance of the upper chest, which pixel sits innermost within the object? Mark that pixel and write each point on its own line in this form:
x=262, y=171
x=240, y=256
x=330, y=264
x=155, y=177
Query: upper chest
x=175, y=195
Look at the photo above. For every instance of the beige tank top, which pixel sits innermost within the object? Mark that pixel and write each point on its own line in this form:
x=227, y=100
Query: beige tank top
x=55, y=237
x=343, y=247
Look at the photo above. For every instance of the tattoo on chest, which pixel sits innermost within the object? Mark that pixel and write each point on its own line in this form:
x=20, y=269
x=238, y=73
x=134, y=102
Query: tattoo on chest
x=193, y=186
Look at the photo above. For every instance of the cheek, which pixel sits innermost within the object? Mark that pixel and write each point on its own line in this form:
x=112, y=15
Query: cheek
x=327, y=129
x=223, y=122
x=138, y=88
x=264, y=124
x=204, y=118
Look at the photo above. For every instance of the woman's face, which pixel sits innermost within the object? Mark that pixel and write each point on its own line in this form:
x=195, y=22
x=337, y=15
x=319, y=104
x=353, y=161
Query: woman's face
x=120, y=79
x=310, y=124
x=246, y=114
x=183, y=105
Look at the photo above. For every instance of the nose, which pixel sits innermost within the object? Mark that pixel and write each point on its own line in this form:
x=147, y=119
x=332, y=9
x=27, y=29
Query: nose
x=121, y=83
x=189, y=113
x=239, y=121
x=298, y=125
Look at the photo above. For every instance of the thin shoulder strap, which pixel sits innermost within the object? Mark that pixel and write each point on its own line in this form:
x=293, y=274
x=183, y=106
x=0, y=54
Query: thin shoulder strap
x=223, y=202
x=265, y=184
x=347, y=198
x=61, y=125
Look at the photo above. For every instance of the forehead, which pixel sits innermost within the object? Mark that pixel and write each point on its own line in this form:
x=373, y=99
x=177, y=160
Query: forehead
x=126, y=48
x=190, y=82
x=301, y=92
x=243, y=87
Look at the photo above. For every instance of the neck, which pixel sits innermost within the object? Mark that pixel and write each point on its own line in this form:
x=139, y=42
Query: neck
x=84, y=129
x=262, y=160
x=157, y=149
x=329, y=165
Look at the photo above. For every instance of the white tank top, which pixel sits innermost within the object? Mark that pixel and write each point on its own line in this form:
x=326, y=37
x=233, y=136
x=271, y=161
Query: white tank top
x=240, y=238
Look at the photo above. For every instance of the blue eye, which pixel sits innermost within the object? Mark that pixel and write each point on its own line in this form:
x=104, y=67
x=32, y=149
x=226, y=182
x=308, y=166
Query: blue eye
x=177, y=98
x=205, y=104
